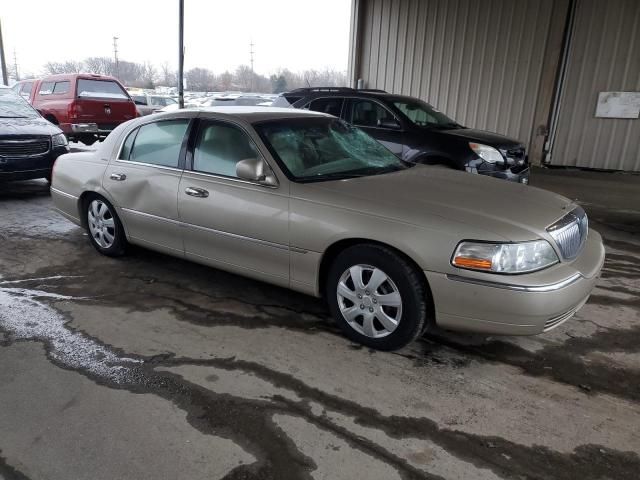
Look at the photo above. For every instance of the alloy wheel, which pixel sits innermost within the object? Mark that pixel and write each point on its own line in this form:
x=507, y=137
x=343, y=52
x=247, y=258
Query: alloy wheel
x=369, y=301
x=102, y=225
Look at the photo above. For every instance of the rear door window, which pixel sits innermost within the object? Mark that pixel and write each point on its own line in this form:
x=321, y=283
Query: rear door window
x=46, y=88
x=157, y=143
x=26, y=88
x=61, y=87
x=89, y=88
x=139, y=99
x=367, y=113
x=332, y=105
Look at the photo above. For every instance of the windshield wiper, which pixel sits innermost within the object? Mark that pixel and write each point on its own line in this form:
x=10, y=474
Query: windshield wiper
x=331, y=176
x=11, y=116
x=346, y=175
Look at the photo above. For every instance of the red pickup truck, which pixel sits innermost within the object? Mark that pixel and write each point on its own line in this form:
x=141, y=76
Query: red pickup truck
x=86, y=107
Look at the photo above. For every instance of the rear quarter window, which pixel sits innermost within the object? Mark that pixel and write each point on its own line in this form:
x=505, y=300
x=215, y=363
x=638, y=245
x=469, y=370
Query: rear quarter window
x=89, y=88
x=156, y=143
x=46, y=88
x=61, y=87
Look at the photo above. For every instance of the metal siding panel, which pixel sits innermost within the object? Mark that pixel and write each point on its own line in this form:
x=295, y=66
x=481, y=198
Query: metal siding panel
x=603, y=56
x=480, y=61
x=392, y=47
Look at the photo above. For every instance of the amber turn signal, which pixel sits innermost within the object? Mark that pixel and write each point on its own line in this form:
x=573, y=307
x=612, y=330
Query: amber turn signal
x=477, y=263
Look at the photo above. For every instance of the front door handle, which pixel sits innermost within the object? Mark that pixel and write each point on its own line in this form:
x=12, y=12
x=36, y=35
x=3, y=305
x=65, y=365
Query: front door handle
x=196, y=192
x=118, y=177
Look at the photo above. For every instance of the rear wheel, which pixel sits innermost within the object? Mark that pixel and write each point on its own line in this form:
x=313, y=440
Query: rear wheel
x=377, y=297
x=105, y=229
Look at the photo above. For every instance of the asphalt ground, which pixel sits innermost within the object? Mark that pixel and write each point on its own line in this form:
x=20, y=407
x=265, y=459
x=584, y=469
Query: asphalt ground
x=151, y=367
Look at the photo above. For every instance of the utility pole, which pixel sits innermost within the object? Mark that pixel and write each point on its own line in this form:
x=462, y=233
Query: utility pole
x=15, y=65
x=115, y=56
x=251, y=52
x=3, y=64
x=181, y=54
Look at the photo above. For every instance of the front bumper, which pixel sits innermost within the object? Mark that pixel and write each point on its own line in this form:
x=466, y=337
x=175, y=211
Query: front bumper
x=517, y=304
x=29, y=168
x=512, y=175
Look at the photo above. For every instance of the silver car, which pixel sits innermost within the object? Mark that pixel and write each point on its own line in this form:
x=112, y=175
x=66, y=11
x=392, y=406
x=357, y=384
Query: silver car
x=308, y=202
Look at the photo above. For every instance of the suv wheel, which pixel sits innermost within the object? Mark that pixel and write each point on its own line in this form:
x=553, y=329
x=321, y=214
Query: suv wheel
x=377, y=297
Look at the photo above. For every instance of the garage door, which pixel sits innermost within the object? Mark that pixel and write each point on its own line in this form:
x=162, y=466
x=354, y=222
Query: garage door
x=603, y=56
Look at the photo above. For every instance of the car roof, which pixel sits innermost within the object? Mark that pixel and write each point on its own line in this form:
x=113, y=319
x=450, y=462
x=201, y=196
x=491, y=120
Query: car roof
x=72, y=76
x=251, y=114
x=347, y=92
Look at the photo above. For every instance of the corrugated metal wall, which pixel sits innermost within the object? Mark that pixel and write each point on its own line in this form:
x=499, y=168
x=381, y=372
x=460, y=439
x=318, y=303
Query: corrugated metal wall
x=604, y=55
x=479, y=61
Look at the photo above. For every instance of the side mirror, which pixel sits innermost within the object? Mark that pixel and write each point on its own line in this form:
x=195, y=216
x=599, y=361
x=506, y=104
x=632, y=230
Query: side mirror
x=255, y=170
x=140, y=102
x=394, y=124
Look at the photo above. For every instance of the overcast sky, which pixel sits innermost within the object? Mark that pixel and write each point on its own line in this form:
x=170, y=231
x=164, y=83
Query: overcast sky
x=296, y=34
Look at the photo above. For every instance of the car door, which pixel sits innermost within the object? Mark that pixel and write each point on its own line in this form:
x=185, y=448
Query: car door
x=378, y=121
x=231, y=223
x=143, y=182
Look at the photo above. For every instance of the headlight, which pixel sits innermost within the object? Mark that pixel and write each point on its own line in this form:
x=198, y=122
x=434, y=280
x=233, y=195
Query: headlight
x=487, y=153
x=504, y=257
x=59, y=140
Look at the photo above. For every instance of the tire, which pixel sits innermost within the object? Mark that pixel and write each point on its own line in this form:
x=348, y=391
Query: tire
x=401, y=297
x=104, y=228
x=88, y=140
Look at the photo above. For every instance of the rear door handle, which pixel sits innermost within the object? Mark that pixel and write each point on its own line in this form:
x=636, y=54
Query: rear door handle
x=196, y=192
x=118, y=177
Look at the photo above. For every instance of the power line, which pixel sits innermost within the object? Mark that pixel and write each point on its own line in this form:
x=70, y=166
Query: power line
x=251, y=52
x=115, y=56
x=15, y=65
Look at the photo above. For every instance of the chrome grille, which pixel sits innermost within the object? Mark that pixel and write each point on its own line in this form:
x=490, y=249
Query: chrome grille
x=570, y=233
x=27, y=147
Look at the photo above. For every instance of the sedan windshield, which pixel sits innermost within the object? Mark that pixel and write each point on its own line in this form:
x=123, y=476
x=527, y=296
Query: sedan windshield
x=316, y=149
x=14, y=106
x=424, y=115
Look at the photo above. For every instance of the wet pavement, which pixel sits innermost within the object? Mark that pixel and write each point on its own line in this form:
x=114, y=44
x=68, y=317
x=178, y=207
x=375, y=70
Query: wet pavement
x=150, y=367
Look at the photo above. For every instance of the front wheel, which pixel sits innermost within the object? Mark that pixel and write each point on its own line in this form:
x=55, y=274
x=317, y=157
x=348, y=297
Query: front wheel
x=105, y=229
x=378, y=298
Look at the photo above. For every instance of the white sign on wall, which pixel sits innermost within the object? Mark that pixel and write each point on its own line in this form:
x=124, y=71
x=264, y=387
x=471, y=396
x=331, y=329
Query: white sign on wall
x=618, y=105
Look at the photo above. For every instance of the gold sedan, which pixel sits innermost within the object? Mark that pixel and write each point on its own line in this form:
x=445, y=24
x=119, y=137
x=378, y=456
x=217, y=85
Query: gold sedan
x=308, y=202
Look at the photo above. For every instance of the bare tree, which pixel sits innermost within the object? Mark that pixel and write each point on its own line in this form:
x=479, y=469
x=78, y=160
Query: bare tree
x=52, y=68
x=324, y=78
x=225, y=81
x=100, y=65
x=167, y=76
x=200, y=79
x=243, y=77
x=148, y=75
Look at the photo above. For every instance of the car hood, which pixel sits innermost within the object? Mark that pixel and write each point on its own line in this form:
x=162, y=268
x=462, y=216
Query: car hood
x=494, y=208
x=27, y=126
x=481, y=136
